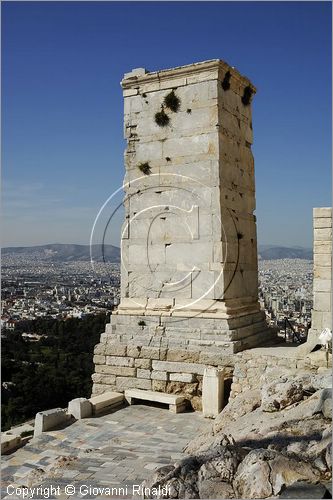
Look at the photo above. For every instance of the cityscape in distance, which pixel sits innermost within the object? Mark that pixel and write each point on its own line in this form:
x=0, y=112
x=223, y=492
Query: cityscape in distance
x=59, y=281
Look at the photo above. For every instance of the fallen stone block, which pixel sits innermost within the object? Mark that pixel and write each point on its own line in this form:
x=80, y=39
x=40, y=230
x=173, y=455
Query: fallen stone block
x=80, y=408
x=49, y=419
x=9, y=442
x=106, y=402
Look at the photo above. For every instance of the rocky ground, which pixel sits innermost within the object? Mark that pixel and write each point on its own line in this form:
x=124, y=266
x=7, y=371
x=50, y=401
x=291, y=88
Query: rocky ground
x=268, y=443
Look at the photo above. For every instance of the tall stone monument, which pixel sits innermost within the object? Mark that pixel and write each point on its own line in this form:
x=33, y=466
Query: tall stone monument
x=189, y=277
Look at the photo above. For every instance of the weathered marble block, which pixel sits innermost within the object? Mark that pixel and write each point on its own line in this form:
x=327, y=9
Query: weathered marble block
x=80, y=408
x=212, y=392
x=49, y=419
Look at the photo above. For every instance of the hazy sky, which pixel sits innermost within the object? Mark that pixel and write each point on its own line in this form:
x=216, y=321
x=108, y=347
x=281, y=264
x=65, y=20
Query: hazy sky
x=62, y=111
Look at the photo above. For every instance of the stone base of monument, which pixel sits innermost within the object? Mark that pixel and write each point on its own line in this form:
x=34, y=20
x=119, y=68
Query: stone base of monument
x=169, y=353
x=192, y=329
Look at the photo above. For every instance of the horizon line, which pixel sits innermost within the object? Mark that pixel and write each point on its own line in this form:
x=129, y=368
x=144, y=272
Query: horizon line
x=116, y=246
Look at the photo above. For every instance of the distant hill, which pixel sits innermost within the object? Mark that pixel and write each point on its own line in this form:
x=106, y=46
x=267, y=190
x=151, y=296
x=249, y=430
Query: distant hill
x=267, y=252
x=58, y=252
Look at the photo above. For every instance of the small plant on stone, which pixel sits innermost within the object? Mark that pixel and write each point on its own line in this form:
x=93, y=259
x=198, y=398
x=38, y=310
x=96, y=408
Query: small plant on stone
x=161, y=118
x=141, y=323
x=246, y=99
x=145, y=168
x=26, y=433
x=172, y=102
x=226, y=81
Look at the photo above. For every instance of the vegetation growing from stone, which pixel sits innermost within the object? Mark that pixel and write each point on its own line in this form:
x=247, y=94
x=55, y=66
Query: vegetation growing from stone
x=26, y=433
x=142, y=323
x=172, y=102
x=226, y=81
x=161, y=118
x=145, y=168
x=46, y=374
x=246, y=98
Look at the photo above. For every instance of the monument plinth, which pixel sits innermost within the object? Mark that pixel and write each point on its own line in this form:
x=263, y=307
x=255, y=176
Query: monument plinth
x=189, y=272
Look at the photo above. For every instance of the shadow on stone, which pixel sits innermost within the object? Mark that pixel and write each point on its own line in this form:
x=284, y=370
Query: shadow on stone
x=279, y=440
x=302, y=489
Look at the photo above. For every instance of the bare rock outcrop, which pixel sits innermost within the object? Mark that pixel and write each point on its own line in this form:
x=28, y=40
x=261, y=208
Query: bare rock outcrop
x=264, y=473
x=279, y=391
x=263, y=442
x=230, y=471
x=280, y=394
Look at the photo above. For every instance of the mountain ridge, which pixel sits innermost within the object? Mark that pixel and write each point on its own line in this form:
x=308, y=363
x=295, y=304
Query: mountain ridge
x=275, y=252
x=66, y=252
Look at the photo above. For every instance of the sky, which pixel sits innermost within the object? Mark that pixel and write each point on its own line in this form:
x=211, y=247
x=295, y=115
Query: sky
x=62, y=106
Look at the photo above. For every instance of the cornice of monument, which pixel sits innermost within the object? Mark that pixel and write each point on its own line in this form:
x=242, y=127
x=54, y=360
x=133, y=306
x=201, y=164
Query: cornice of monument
x=216, y=67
